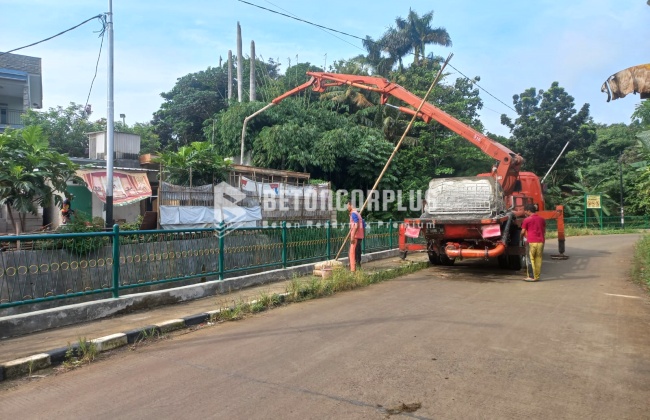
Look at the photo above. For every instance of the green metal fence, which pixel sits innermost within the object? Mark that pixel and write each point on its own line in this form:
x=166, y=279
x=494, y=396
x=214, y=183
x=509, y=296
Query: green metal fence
x=608, y=222
x=40, y=268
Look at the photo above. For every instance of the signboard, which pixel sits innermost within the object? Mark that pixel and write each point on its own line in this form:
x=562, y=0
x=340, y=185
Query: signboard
x=593, y=201
x=128, y=187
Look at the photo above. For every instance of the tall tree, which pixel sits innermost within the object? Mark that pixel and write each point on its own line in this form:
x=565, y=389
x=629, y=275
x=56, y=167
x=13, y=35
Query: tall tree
x=414, y=33
x=194, y=98
x=547, y=121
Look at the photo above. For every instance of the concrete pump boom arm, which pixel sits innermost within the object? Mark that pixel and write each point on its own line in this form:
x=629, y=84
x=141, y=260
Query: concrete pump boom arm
x=509, y=163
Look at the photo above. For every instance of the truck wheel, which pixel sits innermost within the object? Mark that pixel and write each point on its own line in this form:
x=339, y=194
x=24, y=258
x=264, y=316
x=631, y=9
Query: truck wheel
x=445, y=260
x=514, y=262
x=434, y=258
x=503, y=261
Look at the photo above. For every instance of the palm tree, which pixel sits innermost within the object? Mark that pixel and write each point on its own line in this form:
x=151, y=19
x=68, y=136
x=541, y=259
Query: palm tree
x=415, y=32
x=380, y=65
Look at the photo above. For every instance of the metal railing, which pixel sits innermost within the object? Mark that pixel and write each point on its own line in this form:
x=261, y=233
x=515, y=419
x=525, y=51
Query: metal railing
x=607, y=222
x=11, y=117
x=47, y=267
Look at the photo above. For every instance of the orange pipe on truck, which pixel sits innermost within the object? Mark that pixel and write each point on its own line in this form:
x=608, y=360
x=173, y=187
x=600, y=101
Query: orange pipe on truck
x=458, y=252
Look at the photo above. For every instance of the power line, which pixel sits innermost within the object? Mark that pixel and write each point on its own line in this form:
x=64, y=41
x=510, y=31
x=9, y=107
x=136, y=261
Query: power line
x=96, y=67
x=326, y=31
x=301, y=20
x=101, y=17
x=362, y=39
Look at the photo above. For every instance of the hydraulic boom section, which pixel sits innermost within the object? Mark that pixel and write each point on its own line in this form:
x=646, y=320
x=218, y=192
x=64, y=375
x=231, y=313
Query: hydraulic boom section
x=508, y=163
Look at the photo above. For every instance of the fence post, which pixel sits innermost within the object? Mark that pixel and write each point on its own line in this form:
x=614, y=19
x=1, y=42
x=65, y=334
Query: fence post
x=116, y=260
x=329, y=238
x=284, y=244
x=390, y=234
x=221, y=243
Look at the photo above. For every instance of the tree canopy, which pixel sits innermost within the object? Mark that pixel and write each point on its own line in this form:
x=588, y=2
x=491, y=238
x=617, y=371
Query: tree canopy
x=65, y=128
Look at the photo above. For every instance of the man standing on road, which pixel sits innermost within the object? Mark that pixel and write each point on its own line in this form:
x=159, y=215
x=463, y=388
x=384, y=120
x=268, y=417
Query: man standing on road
x=356, y=237
x=534, y=230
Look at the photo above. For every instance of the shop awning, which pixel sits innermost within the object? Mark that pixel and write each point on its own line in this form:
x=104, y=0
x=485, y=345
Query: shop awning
x=128, y=187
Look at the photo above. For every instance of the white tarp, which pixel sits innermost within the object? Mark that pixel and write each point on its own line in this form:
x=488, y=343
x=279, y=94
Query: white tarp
x=271, y=189
x=185, y=217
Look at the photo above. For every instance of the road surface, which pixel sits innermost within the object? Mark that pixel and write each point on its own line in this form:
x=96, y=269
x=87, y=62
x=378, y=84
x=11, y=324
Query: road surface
x=459, y=342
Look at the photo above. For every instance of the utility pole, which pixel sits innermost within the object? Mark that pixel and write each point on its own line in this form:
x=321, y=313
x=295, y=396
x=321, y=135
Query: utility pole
x=229, y=75
x=252, y=74
x=620, y=171
x=110, y=123
x=240, y=65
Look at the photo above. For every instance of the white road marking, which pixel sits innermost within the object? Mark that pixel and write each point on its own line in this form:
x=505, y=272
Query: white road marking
x=625, y=296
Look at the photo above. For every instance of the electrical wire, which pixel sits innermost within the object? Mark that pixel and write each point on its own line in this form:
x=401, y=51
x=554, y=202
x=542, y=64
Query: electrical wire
x=326, y=31
x=96, y=67
x=366, y=40
x=100, y=17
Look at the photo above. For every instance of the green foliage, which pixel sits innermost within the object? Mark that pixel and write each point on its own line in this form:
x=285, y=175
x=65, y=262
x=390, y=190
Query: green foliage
x=344, y=135
x=414, y=33
x=194, y=98
x=641, y=114
x=547, y=121
x=342, y=280
x=196, y=164
x=82, y=246
x=31, y=173
x=65, y=128
x=197, y=97
x=574, y=202
x=135, y=225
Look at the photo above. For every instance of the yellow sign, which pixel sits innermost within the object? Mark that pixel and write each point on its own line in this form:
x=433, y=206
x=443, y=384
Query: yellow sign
x=593, y=201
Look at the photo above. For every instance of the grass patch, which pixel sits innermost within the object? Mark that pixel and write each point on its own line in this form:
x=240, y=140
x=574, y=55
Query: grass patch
x=240, y=309
x=342, y=280
x=84, y=352
x=312, y=288
x=582, y=231
x=146, y=335
x=641, y=262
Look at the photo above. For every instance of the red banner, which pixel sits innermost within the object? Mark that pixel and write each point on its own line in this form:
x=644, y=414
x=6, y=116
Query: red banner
x=128, y=187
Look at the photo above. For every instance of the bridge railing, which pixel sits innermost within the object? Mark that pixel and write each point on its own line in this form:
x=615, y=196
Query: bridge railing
x=47, y=267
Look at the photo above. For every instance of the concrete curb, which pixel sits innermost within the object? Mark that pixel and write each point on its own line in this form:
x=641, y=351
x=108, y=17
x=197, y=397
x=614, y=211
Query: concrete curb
x=27, y=323
x=110, y=342
x=24, y=366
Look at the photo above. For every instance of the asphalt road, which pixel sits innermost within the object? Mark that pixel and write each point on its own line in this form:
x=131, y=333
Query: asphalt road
x=459, y=342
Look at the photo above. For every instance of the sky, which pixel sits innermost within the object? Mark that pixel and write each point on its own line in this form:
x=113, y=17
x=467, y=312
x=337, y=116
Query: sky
x=512, y=45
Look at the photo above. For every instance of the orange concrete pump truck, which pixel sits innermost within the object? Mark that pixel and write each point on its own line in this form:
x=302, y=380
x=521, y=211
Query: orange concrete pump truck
x=464, y=217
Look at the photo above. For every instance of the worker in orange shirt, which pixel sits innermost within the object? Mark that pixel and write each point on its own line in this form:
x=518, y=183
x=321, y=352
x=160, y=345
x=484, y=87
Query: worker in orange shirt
x=357, y=230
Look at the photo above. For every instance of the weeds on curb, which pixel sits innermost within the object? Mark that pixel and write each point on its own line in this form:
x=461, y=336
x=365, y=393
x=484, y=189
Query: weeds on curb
x=145, y=335
x=641, y=262
x=342, y=280
x=242, y=308
x=85, y=352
